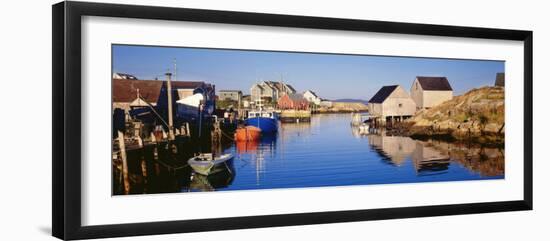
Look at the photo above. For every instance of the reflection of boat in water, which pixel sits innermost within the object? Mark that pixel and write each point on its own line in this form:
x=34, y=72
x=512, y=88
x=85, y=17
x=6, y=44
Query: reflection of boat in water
x=254, y=152
x=267, y=121
x=360, y=124
x=212, y=182
x=254, y=147
x=246, y=146
x=247, y=133
x=361, y=130
x=205, y=163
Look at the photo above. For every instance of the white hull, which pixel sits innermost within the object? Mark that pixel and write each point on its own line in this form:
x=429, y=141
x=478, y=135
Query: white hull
x=203, y=163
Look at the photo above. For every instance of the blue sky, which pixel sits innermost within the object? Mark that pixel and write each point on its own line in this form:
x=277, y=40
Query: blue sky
x=332, y=76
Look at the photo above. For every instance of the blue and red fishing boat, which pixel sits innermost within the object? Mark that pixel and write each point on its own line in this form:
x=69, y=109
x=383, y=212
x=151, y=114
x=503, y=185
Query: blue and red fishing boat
x=267, y=121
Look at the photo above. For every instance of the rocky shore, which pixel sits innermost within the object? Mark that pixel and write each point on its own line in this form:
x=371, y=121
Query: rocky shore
x=477, y=116
x=344, y=107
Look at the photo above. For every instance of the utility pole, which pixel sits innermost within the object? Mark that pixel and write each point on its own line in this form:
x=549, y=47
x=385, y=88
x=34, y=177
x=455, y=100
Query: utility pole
x=170, y=116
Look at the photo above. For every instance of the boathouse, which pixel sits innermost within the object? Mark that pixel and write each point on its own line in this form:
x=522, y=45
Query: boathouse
x=391, y=103
x=428, y=92
x=292, y=102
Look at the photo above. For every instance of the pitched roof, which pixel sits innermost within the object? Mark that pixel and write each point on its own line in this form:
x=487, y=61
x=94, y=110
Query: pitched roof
x=290, y=87
x=258, y=86
x=296, y=97
x=279, y=86
x=383, y=93
x=125, y=90
x=313, y=93
x=187, y=84
x=230, y=91
x=434, y=83
x=499, y=81
x=126, y=76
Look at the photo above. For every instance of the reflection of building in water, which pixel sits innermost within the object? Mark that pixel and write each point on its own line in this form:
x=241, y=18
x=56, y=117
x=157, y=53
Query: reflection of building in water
x=429, y=160
x=395, y=149
x=487, y=161
x=434, y=157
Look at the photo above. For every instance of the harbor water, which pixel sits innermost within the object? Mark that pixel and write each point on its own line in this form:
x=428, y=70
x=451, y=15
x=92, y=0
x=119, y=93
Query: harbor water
x=327, y=151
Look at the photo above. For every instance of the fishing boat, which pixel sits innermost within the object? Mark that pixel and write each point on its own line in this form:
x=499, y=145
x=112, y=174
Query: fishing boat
x=205, y=162
x=267, y=121
x=247, y=133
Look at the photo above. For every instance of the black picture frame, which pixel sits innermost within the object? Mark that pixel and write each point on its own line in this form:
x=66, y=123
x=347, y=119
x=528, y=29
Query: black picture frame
x=66, y=170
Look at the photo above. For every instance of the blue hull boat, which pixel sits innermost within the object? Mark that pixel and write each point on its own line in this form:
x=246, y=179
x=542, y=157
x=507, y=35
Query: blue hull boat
x=266, y=124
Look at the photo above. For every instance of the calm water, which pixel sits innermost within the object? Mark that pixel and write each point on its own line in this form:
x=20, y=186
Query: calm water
x=325, y=152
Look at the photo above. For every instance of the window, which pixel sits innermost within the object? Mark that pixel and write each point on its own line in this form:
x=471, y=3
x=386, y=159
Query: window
x=400, y=105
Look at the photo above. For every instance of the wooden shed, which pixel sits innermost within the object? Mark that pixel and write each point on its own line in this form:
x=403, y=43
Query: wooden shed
x=428, y=92
x=391, y=103
x=292, y=102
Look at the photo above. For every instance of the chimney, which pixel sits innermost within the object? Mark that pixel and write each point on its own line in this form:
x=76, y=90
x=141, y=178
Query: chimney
x=170, y=117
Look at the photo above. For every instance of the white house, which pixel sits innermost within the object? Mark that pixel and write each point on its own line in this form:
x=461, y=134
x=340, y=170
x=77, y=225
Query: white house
x=428, y=92
x=312, y=97
x=391, y=102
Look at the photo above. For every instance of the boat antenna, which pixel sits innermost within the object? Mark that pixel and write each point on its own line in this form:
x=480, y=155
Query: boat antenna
x=175, y=70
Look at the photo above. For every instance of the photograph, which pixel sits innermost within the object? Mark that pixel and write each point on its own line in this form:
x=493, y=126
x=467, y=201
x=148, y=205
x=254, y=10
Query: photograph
x=191, y=119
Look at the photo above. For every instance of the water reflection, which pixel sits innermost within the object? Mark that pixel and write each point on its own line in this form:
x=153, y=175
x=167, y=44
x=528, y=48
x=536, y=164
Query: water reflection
x=220, y=179
x=254, y=153
x=321, y=153
x=435, y=157
x=393, y=149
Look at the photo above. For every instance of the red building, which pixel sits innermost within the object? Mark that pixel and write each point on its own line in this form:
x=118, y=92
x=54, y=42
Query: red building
x=293, y=102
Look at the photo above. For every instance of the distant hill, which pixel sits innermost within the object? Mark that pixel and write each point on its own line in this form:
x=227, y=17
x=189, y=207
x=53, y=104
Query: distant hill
x=352, y=100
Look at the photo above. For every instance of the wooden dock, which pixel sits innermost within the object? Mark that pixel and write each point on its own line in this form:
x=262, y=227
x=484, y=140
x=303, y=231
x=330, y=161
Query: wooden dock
x=295, y=116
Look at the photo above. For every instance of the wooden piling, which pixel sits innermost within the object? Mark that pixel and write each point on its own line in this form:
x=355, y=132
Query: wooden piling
x=123, y=156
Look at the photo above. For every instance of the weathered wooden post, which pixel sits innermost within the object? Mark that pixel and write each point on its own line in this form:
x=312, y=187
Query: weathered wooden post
x=144, y=169
x=140, y=142
x=122, y=148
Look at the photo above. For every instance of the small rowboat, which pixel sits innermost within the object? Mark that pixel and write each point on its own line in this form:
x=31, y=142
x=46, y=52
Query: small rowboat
x=204, y=163
x=248, y=133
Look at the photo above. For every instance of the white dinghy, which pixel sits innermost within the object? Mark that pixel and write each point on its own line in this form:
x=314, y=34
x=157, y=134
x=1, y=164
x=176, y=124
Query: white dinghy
x=204, y=162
